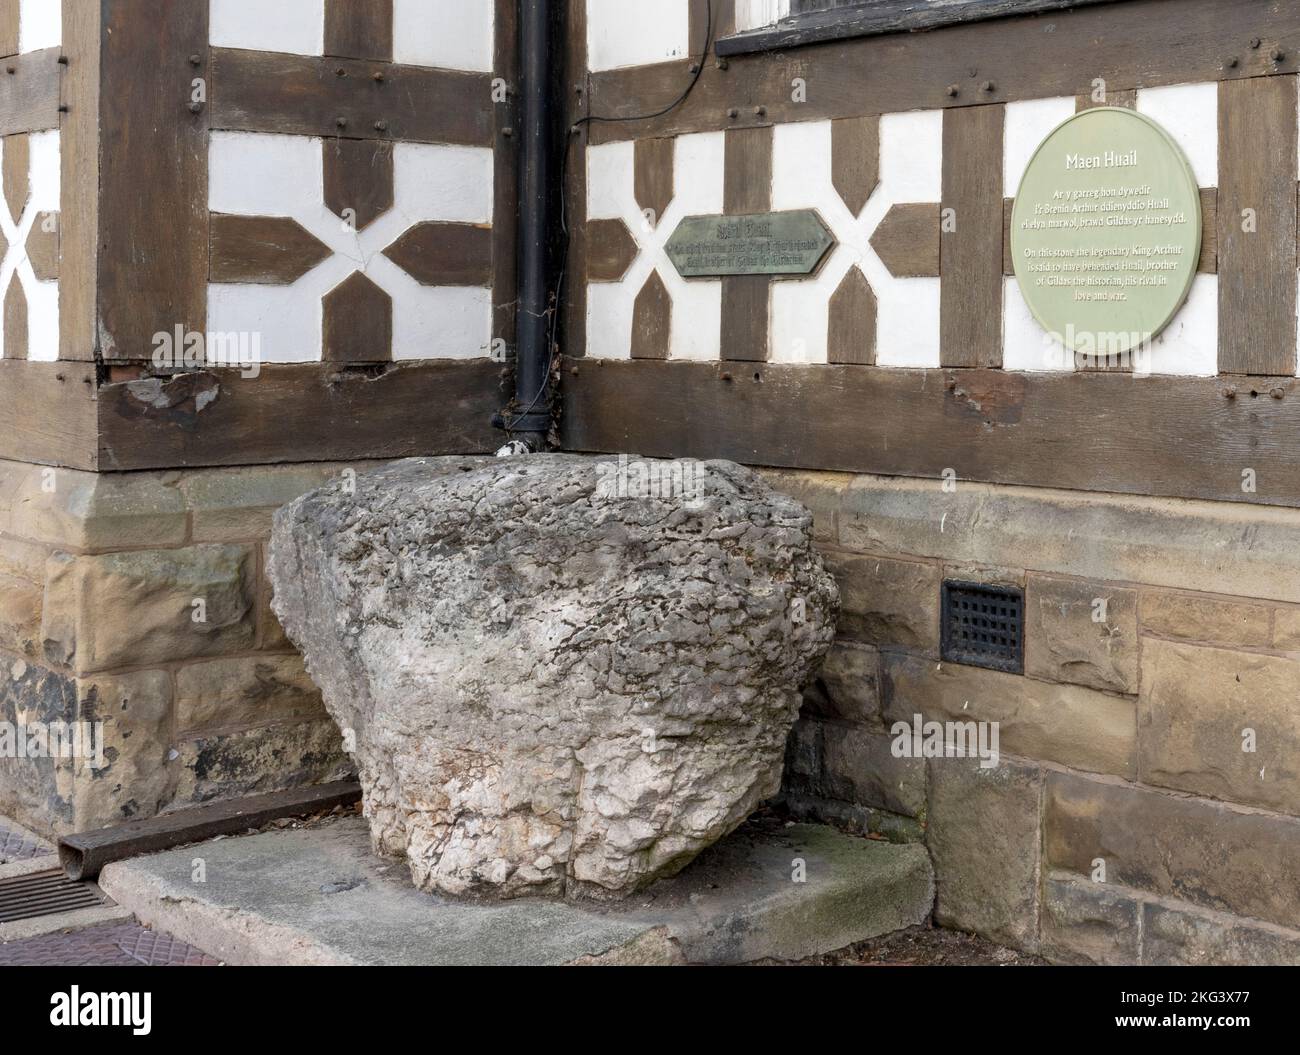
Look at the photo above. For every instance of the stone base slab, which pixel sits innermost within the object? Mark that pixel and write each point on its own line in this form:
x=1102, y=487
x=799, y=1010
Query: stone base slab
x=319, y=896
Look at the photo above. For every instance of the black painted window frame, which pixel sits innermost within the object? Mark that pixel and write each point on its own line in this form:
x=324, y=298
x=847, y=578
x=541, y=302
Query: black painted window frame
x=817, y=21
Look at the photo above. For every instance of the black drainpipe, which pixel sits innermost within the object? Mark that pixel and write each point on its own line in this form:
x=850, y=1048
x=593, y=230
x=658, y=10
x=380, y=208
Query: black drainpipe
x=528, y=417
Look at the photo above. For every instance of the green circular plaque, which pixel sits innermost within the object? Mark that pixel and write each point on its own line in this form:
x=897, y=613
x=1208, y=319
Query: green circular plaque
x=1106, y=231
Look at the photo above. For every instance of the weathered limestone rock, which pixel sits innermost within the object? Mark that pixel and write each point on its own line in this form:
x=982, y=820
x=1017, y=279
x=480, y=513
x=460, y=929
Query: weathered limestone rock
x=551, y=686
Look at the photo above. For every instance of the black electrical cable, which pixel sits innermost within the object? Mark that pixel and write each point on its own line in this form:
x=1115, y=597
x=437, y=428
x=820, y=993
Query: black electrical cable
x=564, y=222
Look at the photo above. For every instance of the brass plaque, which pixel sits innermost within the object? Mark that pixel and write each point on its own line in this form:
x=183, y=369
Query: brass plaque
x=1106, y=231
x=762, y=243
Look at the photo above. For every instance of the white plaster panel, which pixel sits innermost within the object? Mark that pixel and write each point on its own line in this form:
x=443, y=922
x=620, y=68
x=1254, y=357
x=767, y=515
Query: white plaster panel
x=697, y=303
x=907, y=309
x=801, y=178
x=40, y=24
x=255, y=174
x=1025, y=344
x=42, y=297
x=450, y=34
x=273, y=175
x=296, y=26
x=1026, y=124
x=42, y=318
x=435, y=182
x=45, y=173
x=442, y=322
x=755, y=14
x=623, y=33
x=609, y=179
x=285, y=319
x=1189, y=345
x=911, y=149
x=609, y=320
x=1190, y=114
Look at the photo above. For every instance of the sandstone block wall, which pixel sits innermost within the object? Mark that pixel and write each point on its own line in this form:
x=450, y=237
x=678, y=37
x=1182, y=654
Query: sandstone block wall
x=139, y=600
x=1146, y=806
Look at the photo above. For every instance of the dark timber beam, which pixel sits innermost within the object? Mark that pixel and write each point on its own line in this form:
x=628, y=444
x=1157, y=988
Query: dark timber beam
x=1173, y=436
x=1136, y=44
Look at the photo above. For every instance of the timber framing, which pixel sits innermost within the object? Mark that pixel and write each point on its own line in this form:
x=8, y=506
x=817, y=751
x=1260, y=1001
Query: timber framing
x=298, y=412
x=29, y=92
x=1135, y=44
x=1090, y=431
x=135, y=91
x=48, y=413
x=263, y=91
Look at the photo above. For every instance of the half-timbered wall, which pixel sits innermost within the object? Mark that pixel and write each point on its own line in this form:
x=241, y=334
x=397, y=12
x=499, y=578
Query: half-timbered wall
x=881, y=135
x=1143, y=511
x=29, y=223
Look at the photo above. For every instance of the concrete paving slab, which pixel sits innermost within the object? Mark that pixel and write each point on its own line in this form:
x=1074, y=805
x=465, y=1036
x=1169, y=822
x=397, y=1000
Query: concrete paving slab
x=318, y=896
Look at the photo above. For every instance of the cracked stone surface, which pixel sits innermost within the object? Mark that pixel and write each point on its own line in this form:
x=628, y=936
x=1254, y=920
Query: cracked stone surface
x=549, y=686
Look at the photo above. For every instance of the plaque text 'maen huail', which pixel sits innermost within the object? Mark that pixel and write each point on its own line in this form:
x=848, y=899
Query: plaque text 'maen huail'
x=766, y=243
x=1106, y=232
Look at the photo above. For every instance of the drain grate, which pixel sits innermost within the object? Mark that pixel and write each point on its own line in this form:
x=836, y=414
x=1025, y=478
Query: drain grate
x=983, y=626
x=45, y=894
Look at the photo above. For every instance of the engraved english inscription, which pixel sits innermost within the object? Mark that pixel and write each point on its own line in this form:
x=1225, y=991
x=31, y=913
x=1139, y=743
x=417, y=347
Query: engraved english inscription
x=768, y=243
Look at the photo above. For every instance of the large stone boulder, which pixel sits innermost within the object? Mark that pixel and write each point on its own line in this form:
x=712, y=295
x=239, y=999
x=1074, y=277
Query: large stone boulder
x=549, y=684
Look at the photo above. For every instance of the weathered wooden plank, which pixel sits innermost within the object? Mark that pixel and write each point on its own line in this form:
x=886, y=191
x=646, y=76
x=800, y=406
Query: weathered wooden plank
x=699, y=29
x=29, y=92
x=1180, y=437
x=1135, y=44
x=610, y=250
x=851, y=323
x=43, y=246
x=1208, y=262
x=652, y=176
x=1125, y=98
x=884, y=16
x=573, y=328
x=505, y=174
x=63, y=432
x=153, y=164
x=270, y=250
x=1256, y=226
x=84, y=855
x=746, y=188
x=907, y=239
x=358, y=179
x=652, y=316
x=1008, y=266
x=855, y=159
x=359, y=29
x=9, y=27
x=970, y=297
x=79, y=182
x=295, y=413
x=445, y=254
x=15, y=318
x=14, y=171
x=356, y=322
x=262, y=91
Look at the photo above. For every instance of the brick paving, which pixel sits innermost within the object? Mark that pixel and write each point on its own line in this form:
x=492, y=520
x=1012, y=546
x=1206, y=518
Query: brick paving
x=125, y=944
x=19, y=846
